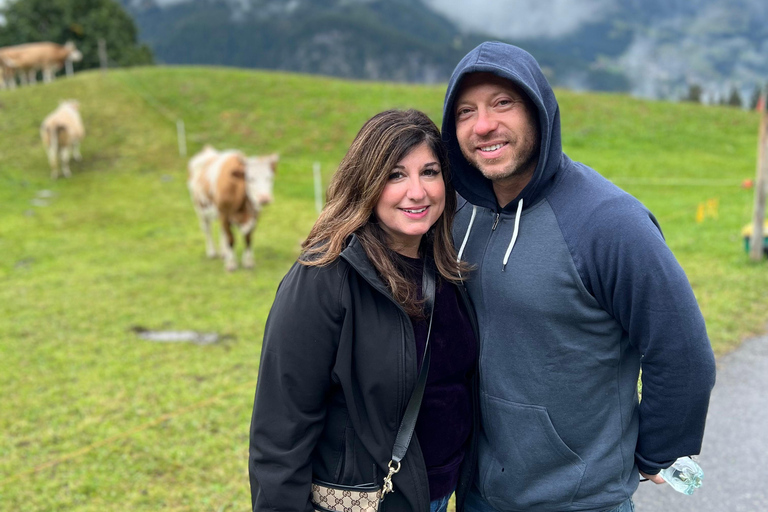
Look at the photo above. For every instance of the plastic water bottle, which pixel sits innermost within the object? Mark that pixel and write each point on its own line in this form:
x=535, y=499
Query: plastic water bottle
x=684, y=475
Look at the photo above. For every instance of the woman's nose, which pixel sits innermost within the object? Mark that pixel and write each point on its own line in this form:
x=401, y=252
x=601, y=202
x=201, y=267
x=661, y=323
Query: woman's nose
x=415, y=189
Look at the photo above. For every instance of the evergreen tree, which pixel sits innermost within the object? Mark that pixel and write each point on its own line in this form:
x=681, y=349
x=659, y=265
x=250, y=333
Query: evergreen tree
x=83, y=22
x=754, y=98
x=734, y=99
x=694, y=93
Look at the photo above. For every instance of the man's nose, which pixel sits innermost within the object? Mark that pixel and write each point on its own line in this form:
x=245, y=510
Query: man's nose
x=485, y=123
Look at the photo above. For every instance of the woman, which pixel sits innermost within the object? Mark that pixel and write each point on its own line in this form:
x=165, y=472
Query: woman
x=345, y=337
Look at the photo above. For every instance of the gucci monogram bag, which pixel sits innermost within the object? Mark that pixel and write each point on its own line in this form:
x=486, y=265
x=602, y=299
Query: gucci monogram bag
x=328, y=497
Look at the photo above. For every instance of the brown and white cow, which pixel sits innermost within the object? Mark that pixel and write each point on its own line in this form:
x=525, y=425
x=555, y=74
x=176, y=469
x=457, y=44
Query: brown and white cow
x=233, y=187
x=45, y=56
x=62, y=131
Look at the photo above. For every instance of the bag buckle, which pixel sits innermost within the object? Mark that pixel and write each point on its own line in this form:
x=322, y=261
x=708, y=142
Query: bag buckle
x=388, y=487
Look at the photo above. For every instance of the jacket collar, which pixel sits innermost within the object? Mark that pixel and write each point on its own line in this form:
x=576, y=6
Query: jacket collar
x=355, y=255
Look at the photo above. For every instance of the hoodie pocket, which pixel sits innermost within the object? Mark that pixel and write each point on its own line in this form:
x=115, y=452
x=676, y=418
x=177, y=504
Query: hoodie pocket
x=524, y=463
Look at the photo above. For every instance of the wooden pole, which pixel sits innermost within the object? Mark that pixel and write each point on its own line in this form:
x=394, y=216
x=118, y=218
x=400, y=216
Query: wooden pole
x=182, y=137
x=761, y=187
x=103, y=54
x=318, y=179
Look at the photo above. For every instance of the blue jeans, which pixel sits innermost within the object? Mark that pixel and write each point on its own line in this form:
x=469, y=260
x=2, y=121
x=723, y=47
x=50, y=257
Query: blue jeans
x=440, y=504
x=476, y=503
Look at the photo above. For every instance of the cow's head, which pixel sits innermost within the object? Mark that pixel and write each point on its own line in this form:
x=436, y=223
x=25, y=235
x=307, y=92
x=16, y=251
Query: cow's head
x=73, y=54
x=73, y=104
x=259, y=177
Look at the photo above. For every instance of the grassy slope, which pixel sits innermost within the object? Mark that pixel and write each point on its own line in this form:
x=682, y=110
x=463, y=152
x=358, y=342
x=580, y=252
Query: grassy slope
x=96, y=419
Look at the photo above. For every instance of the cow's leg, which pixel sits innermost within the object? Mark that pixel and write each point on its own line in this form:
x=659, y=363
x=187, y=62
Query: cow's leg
x=10, y=79
x=53, y=153
x=205, y=217
x=227, y=244
x=76, y=152
x=22, y=78
x=247, y=230
x=32, y=76
x=65, y=151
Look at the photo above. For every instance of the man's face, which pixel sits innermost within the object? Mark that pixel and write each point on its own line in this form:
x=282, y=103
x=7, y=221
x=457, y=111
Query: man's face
x=496, y=129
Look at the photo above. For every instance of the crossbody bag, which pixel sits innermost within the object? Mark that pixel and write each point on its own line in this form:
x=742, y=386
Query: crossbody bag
x=328, y=497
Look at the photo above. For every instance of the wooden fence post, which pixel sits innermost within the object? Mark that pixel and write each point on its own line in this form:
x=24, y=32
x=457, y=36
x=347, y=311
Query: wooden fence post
x=761, y=186
x=103, y=54
x=318, y=179
x=182, y=137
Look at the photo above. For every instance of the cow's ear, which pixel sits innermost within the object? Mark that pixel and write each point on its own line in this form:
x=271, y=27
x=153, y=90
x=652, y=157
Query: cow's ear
x=238, y=173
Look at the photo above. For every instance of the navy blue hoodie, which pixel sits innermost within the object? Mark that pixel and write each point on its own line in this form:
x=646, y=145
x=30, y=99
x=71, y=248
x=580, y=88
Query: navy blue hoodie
x=575, y=291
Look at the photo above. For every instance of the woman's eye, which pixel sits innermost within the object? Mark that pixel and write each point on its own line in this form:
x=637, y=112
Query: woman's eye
x=431, y=172
x=394, y=175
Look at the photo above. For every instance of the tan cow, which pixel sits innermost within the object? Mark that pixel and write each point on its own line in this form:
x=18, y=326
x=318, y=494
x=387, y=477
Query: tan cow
x=47, y=57
x=62, y=132
x=234, y=188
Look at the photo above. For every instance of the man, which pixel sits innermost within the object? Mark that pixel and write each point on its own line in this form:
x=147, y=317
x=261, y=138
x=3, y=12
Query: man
x=575, y=291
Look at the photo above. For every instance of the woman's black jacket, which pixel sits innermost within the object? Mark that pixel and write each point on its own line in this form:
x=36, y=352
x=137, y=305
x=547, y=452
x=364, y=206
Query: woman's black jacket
x=338, y=366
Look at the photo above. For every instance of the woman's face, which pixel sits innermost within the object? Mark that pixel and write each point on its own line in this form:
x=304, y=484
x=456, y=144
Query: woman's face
x=412, y=200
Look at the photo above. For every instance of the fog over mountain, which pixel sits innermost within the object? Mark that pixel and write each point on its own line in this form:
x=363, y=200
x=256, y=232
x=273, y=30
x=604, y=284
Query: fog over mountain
x=672, y=44
x=524, y=19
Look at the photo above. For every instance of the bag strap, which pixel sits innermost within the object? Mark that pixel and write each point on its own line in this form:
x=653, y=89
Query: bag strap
x=408, y=423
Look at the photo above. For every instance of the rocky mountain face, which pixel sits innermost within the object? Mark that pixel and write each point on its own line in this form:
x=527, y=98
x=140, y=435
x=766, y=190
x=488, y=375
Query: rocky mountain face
x=651, y=48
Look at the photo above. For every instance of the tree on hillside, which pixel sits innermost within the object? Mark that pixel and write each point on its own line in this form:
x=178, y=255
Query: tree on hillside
x=734, y=99
x=755, y=98
x=83, y=22
x=694, y=93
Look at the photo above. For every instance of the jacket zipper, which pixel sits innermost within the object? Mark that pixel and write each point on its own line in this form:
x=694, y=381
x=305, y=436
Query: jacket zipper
x=496, y=222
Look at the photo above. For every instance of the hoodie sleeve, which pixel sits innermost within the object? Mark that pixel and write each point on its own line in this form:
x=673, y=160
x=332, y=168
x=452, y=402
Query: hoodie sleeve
x=300, y=341
x=635, y=277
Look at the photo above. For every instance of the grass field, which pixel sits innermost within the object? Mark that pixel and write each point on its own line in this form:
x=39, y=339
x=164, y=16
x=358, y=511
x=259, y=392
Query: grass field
x=95, y=418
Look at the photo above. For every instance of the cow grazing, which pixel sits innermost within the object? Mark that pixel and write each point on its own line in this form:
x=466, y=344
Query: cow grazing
x=62, y=132
x=47, y=57
x=234, y=188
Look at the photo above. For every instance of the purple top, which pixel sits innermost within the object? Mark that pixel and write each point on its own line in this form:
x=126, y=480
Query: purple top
x=445, y=419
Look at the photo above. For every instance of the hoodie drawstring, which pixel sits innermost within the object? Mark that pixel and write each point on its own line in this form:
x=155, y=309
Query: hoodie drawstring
x=511, y=242
x=514, y=235
x=466, y=236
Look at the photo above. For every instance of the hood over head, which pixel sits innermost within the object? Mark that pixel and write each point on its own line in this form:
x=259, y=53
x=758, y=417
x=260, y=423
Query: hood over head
x=519, y=67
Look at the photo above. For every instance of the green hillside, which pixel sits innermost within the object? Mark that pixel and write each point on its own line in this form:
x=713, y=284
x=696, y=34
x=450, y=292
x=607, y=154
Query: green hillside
x=95, y=418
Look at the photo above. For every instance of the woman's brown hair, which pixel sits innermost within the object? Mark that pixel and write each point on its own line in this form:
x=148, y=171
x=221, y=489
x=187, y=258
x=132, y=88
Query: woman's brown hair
x=356, y=187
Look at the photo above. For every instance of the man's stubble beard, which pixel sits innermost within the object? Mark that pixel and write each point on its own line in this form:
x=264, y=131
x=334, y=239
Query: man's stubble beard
x=523, y=163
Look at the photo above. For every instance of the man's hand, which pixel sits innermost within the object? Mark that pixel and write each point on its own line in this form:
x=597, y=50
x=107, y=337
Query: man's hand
x=653, y=478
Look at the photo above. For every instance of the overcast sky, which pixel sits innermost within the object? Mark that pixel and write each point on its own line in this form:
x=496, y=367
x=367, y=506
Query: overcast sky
x=502, y=18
